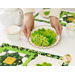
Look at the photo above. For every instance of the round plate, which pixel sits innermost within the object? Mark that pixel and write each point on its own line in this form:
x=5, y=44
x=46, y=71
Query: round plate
x=41, y=13
x=40, y=59
x=46, y=27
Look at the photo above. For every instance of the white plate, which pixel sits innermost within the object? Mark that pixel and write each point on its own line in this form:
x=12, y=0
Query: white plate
x=41, y=13
x=46, y=27
x=40, y=59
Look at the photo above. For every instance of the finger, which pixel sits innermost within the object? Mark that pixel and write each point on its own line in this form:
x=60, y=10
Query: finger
x=52, y=25
x=28, y=32
x=25, y=31
x=52, y=22
x=32, y=28
x=57, y=30
x=60, y=29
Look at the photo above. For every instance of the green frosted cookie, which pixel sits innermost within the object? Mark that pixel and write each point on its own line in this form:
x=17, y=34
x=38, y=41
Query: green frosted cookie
x=46, y=13
x=49, y=64
x=43, y=37
x=44, y=64
x=38, y=65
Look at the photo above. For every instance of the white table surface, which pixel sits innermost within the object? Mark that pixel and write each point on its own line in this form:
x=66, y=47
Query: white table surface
x=65, y=46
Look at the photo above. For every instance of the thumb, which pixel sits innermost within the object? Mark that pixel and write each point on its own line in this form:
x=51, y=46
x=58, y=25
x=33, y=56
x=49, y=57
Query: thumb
x=28, y=32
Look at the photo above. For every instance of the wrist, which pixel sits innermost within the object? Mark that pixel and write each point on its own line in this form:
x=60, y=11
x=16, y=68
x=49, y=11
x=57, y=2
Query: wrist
x=29, y=14
x=53, y=18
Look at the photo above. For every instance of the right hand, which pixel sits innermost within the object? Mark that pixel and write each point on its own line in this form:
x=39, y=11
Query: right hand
x=56, y=24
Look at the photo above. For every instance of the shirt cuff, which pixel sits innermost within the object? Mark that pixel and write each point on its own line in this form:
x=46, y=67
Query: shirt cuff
x=28, y=10
x=55, y=12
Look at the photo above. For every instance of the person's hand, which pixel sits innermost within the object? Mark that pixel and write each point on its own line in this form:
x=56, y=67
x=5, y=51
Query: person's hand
x=56, y=24
x=28, y=24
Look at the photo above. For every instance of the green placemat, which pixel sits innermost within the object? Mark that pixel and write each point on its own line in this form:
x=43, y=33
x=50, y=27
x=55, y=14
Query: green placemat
x=63, y=20
x=22, y=56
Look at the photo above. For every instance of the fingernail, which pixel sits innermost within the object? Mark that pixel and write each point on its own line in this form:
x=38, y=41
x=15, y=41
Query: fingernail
x=27, y=36
x=58, y=33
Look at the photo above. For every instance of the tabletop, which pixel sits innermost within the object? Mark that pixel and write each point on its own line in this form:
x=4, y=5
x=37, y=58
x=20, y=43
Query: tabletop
x=65, y=46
